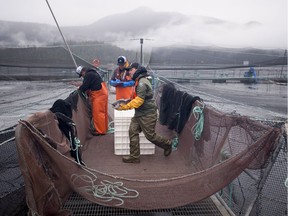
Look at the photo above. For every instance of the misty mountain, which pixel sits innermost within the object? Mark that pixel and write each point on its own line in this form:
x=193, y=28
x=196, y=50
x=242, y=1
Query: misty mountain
x=122, y=25
x=161, y=27
x=19, y=34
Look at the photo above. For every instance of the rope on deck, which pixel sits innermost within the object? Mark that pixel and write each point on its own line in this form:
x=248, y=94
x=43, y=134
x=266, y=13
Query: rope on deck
x=105, y=191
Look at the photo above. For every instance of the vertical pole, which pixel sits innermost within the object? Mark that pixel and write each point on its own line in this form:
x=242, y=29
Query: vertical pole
x=141, y=52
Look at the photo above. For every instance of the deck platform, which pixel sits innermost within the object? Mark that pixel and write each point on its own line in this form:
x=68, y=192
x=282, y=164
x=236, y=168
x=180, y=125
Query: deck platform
x=208, y=207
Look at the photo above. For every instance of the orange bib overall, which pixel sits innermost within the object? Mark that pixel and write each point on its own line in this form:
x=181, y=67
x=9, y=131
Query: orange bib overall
x=123, y=92
x=99, y=107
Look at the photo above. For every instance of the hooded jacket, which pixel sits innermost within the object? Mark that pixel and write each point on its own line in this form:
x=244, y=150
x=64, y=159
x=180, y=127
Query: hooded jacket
x=92, y=81
x=143, y=89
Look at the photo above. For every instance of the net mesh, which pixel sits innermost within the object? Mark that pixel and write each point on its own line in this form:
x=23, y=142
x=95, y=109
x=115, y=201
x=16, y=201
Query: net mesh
x=262, y=190
x=12, y=194
x=192, y=173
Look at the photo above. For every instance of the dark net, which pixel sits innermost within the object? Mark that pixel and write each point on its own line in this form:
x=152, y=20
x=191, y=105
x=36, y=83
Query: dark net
x=198, y=168
x=261, y=191
x=12, y=193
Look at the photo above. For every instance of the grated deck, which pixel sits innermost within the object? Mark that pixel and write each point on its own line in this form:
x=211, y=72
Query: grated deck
x=81, y=207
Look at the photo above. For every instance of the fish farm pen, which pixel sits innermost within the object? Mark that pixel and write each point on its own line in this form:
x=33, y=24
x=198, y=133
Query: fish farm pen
x=237, y=197
x=260, y=192
x=237, y=166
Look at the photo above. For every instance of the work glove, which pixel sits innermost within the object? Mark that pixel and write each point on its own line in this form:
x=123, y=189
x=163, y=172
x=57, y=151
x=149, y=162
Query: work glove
x=128, y=83
x=135, y=103
x=116, y=83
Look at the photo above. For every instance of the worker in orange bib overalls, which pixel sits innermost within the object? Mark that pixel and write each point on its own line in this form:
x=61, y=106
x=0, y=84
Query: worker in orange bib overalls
x=97, y=92
x=121, y=79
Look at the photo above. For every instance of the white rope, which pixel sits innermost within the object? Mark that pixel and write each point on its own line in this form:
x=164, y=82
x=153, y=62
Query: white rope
x=106, y=190
x=13, y=116
x=7, y=141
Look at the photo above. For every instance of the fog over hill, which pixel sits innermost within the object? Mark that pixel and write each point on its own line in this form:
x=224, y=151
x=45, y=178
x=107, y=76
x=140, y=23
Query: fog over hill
x=160, y=28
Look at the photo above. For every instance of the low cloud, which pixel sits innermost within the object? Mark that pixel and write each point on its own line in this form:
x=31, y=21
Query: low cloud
x=157, y=29
x=203, y=31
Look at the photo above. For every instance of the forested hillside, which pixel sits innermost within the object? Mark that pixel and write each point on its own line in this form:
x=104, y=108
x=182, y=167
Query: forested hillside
x=58, y=56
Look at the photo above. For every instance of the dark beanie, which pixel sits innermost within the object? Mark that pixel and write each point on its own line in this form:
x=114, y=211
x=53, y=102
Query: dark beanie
x=139, y=71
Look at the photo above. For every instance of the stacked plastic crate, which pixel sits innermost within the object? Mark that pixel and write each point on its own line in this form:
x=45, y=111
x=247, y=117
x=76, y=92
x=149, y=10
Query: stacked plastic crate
x=122, y=121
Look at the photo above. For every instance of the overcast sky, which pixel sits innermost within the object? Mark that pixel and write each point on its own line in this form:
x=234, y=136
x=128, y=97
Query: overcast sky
x=85, y=12
x=271, y=13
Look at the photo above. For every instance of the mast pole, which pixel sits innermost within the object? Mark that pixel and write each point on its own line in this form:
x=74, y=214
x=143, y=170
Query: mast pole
x=141, y=51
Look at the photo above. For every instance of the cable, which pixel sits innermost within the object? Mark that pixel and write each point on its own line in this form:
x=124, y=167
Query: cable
x=61, y=34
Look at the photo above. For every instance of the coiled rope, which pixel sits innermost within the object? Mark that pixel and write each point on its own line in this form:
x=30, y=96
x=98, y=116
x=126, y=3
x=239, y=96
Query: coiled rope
x=198, y=127
x=77, y=145
x=103, y=190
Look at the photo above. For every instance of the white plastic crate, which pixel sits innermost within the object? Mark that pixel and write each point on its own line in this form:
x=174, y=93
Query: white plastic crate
x=122, y=121
x=124, y=113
